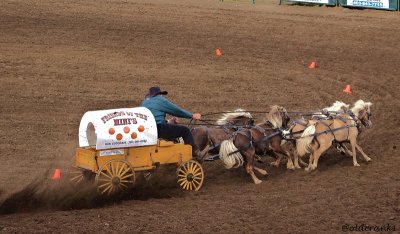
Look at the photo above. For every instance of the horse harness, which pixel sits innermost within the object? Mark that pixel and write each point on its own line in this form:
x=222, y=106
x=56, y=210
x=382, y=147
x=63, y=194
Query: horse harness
x=332, y=130
x=251, y=139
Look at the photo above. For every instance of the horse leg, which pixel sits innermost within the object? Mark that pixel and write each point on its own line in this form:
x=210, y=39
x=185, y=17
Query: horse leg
x=368, y=159
x=250, y=166
x=323, y=146
x=304, y=164
x=348, y=152
x=261, y=171
x=310, y=162
x=289, y=164
x=296, y=160
x=277, y=162
x=353, y=143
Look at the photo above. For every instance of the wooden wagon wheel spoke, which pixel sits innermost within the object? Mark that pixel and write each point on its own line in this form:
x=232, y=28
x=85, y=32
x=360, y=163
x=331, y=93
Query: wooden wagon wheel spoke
x=104, y=174
x=77, y=176
x=191, y=165
x=197, y=175
x=182, y=170
x=111, y=166
x=108, y=188
x=197, y=181
x=183, y=184
x=190, y=175
x=117, y=169
x=126, y=181
x=181, y=175
x=108, y=170
x=196, y=187
x=198, y=169
x=123, y=173
x=115, y=176
x=120, y=170
x=102, y=185
x=105, y=180
x=182, y=179
x=186, y=186
x=126, y=176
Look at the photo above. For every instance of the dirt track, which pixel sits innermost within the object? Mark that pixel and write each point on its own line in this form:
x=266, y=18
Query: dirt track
x=61, y=59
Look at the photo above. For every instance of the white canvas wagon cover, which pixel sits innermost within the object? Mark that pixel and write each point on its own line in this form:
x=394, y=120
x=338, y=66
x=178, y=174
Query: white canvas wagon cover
x=118, y=128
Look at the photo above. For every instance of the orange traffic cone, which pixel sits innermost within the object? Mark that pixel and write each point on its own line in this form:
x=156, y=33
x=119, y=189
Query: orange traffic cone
x=218, y=52
x=312, y=65
x=57, y=174
x=347, y=89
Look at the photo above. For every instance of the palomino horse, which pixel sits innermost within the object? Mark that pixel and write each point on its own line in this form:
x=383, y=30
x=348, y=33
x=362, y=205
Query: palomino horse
x=319, y=136
x=298, y=126
x=263, y=138
x=228, y=124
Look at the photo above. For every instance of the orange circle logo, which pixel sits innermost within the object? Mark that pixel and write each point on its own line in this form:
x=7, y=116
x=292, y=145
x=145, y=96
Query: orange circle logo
x=141, y=128
x=127, y=129
x=111, y=131
x=119, y=136
x=133, y=135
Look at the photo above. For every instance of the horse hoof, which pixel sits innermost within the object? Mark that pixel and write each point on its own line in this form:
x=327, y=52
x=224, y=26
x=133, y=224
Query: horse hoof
x=369, y=160
x=356, y=164
x=258, y=182
x=264, y=173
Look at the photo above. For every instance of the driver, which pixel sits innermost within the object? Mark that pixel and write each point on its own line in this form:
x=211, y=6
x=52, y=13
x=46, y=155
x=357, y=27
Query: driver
x=159, y=107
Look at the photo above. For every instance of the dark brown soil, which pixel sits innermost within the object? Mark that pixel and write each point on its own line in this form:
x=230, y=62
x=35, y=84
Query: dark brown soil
x=59, y=59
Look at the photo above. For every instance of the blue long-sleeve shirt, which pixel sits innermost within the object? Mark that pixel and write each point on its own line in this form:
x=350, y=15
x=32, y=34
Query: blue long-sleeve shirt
x=160, y=106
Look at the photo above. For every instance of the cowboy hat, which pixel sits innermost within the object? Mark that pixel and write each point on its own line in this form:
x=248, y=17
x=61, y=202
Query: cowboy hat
x=154, y=91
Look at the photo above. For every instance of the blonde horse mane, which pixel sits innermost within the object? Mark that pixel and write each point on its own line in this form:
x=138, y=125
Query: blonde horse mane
x=227, y=117
x=274, y=116
x=360, y=105
x=337, y=106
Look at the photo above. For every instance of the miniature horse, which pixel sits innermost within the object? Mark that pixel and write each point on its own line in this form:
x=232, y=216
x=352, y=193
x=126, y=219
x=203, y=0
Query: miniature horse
x=229, y=123
x=319, y=136
x=263, y=138
x=298, y=126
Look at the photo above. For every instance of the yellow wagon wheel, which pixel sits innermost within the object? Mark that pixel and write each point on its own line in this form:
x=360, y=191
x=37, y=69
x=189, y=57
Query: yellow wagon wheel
x=115, y=176
x=78, y=176
x=190, y=175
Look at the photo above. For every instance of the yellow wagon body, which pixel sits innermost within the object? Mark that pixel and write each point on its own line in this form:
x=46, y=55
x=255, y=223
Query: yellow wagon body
x=141, y=158
x=115, y=144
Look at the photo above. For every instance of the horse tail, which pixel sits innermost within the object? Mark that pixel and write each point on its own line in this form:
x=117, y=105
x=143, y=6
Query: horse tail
x=225, y=154
x=303, y=144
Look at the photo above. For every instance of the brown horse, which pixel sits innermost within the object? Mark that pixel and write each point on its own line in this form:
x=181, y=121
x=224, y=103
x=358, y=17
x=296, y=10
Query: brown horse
x=263, y=138
x=228, y=124
x=299, y=125
x=319, y=136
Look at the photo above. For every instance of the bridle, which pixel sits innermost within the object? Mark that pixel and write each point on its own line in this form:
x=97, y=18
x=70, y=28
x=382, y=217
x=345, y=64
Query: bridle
x=365, y=116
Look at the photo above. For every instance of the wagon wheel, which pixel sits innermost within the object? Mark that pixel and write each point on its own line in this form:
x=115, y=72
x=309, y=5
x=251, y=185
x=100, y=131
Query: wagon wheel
x=190, y=175
x=115, y=176
x=78, y=176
